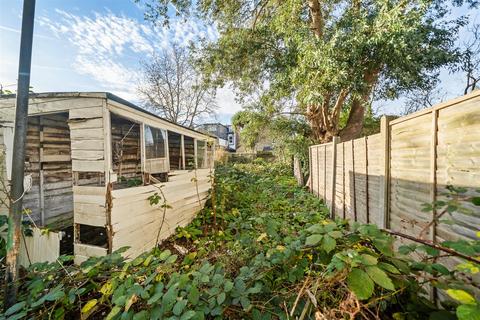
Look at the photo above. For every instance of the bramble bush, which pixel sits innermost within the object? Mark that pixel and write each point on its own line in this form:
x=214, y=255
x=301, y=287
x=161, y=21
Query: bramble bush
x=272, y=254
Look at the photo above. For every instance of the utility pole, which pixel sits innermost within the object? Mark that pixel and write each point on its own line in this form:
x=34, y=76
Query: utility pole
x=18, y=159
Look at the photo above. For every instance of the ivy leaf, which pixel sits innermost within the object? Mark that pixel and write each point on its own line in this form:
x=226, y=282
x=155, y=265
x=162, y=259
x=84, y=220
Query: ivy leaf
x=461, y=296
x=380, y=277
x=328, y=243
x=313, y=240
x=360, y=283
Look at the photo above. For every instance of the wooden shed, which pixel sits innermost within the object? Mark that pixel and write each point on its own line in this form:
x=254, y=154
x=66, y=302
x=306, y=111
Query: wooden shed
x=95, y=159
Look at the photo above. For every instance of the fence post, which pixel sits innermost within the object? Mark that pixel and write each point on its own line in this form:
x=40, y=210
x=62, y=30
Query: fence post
x=385, y=189
x=310, y=169
x=335, y=141
x=433, y=172
x=367, y=200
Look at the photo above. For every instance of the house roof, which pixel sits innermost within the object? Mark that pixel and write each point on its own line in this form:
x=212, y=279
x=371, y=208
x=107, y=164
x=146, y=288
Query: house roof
x=104, y=95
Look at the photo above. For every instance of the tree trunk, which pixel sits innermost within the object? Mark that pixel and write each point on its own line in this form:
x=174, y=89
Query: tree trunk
x=354, y=125
x=320, y=132
x=297, y=171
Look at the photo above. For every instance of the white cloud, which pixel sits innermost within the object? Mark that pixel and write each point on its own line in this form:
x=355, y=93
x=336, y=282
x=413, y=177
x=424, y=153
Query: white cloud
x=109, y=46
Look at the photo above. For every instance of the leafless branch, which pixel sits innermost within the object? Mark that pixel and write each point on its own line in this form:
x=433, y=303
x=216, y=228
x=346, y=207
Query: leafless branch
x=172, y=87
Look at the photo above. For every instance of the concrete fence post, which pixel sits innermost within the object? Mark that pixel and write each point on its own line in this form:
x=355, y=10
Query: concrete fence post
x=335, y=141
x=385, y=187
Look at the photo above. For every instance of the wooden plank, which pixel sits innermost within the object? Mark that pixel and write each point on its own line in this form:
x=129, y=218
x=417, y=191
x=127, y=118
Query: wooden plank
x=90, y=214
x=89, y=250
x=78, y=154
x=86, y=113
x=87, y=144
x=91, y=123
x=88, y=165
x=87, y=134
x=40, y=247
x=107, y=137
x=55, y=158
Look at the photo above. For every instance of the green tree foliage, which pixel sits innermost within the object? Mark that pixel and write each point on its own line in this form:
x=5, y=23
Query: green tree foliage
x=322, y=57
x=290, y=136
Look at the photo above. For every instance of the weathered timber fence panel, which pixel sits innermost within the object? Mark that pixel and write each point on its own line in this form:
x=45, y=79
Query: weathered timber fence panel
x=386, y=178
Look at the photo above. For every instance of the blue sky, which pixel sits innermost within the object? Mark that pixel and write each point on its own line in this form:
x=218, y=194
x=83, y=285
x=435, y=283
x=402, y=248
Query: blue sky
x=98, y=45
x=92, y=46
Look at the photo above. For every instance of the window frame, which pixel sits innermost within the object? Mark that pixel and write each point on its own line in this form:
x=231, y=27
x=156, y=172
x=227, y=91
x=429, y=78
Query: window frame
x=165, y=141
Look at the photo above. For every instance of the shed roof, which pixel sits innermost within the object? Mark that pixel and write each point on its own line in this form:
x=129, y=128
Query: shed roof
x=104, y=95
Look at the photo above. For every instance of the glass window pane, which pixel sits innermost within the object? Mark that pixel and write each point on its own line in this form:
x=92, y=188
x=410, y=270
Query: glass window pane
x=154, y=143
x=201, y=154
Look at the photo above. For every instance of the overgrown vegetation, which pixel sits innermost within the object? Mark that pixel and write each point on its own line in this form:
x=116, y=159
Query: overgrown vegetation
x=272, y=254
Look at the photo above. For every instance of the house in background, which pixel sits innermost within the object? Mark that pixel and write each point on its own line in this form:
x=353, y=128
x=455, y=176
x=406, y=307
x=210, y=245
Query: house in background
x=226, y=135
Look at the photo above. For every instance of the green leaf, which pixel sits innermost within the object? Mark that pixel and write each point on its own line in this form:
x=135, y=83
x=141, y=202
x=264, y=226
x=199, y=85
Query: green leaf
x=461, y=296
x=316, y=228
x=245, y=302
x=388, y=267
x=360, y=283
x=228, y=286
x=476, y=201
x=164, y=255
x=313, y=240
x=15, y=308
x=369, y=260
x=194, y=295
x=115, y=310
x=221, y=298
x=468, y=312
x=142, y=315
x=153, y=299
x=55, y=294
x=335, y=234
x=179, y=306
x=440, y=268
x=188, y=315
x=171, y=259
x=380, y=277
x=18, y=316
x=328, y=243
